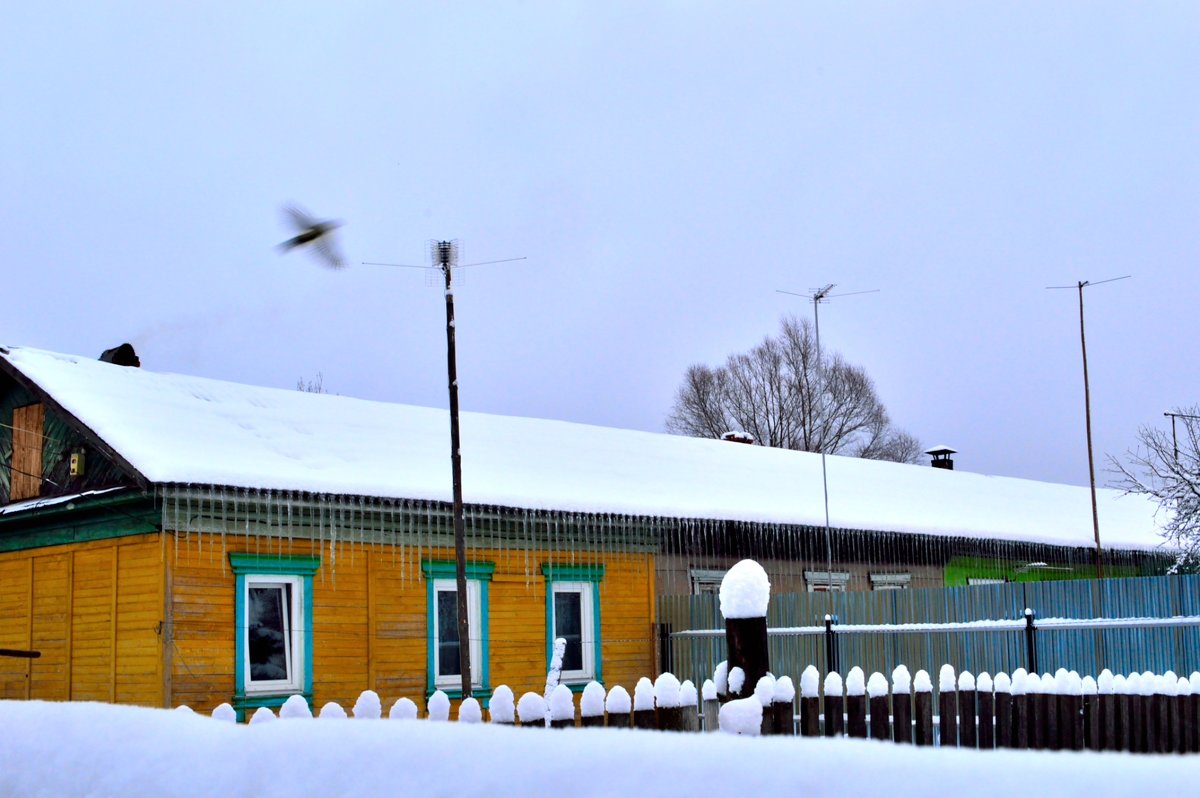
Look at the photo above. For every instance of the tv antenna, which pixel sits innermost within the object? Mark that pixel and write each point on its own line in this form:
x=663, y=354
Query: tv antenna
x=1087, y=409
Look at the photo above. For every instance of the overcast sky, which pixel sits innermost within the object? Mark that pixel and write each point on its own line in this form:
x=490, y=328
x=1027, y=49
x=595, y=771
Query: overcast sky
x=665, y=168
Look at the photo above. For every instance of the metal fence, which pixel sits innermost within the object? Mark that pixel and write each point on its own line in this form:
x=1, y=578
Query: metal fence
x=799, y=637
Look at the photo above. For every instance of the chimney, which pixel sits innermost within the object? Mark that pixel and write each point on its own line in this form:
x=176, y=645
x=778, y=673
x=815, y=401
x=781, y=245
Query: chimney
x=122, y=355
x=738, y=437
x=941, y=457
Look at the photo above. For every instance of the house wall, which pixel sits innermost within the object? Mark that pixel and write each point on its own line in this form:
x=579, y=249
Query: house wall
x=787, y=576
x=93, y=610
x=370, y=618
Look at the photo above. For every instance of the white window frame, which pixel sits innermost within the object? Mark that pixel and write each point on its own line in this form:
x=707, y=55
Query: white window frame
x=891, y=581
x=294, y=653
x=474, y=618
x=706, y=580
x=820, y=581
x=985, y=580
x=587, y=631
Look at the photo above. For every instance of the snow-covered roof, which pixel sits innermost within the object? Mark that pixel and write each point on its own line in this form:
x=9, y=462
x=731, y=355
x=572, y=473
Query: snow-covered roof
x=179, y=429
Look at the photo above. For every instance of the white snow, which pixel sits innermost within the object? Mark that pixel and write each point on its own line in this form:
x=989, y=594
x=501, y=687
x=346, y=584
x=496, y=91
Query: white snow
x=922, y=682
x=332, y=711
x=764, y=690
x=810, y=682
x=562, y=703
x=643, y=694
x=721, y=677
x=295, y=708
x=531, y=709
x=403, y=709
x=1121, y=685
x=501, y=708
x=966, y=681
x=745, y=591
x=224, y=712
x=687, y=694
x=1194, y=680
x=741, y=716
x=618, y=701
x=877, y=685
x=367, y=707
x=438, y=706
x=1183, y=686
x=901, y=680
x=666, y=690
x=833, y=684
x=591, y=703
x=1089, y=686
x=1049, y=685
x=983, y=683
x=856, y=682
x=785, y=690
x=470, y=711
x=1073, y=686
x=1002, y=683
x=263, y=715
x=708, y=690
x=189, y=430
x=52, y=750
x=1147, y=682
x=1104, y=682
x=737, y=680
x=946, y=679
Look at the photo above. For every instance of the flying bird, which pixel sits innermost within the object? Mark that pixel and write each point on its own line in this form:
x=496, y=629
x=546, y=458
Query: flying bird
x=315, y=233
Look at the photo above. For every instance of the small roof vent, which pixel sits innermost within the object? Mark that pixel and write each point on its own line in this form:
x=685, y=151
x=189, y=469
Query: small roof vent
x=122, y=355
x=941, y=457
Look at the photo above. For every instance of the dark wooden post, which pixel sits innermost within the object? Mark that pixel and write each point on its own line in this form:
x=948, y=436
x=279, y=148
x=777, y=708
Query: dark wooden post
x=591, y=720
x=810, y=716
x=670, y=718
x=833, y=705
x=645, y=719
x=831, y=647
x=986, y=713
x=1073, y=717
x=712, y=708
x=879, y=718
x=1191, y=721
x=782, y=709
x=1034, y=709
x=1108, y=722
x=1052, y=733
x=923, y=712
x=1179, y=743
x=1137, y=720
x=1004, y=711
x=902, y=715
x=1162, y=720
x=1093, y=729
x=1030, y=642
x=947, y=708
x=856, y=715
x=1126, y=736
x=591, y=705
x=966, y=711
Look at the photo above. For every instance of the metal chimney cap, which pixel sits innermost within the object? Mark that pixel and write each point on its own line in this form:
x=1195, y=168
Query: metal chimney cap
x=941, y=449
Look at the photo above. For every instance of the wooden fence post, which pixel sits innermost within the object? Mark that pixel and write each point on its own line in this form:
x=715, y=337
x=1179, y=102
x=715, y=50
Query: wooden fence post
x=1192, y=718
x=1073, y=701
x=966, y=711
x=986, y=714
x=947, y=708
x=591, y=705
x=856, y=703
x=1123, y=715
x=712, y=706
x=810, y=702
x=745, y=595
x=1092, y=731
x=877, y=694
x=689, y=705
x=644, y=716
x=1137, y=714
x=833, y=704
x=902, y=731
x=1163, y=693
x=667, y=705
x=1034, y=710
x=562, y=708
x=1004, y=711
x=501, y=709
x=783, y=707
x=619, y=708
x=923, y=708
x=1179, y=707
x=1051, y=734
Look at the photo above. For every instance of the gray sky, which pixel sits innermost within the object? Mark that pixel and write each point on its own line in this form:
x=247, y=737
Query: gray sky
x=665, y=167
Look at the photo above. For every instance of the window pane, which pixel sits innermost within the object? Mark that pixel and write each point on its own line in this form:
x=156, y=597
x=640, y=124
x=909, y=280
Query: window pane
x=447, y=629
x=568, y=624
x=267, y=629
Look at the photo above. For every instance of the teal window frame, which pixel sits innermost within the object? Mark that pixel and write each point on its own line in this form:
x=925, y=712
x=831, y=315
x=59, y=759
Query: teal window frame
x=592, y=574
x=248, y=567
x=481, y=574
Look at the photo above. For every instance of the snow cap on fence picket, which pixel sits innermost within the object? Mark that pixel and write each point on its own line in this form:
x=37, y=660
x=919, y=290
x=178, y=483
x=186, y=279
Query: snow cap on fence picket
x=225, y=712
x=1104, y=682
x=591, y=703
x=1062, y=681
x=984, y=683
x=263, y=715
x=966, y=681
x=1147, y=682
x=1121, y=685
x=901, y=680
x=856, y=682
x=810, y=682
x=531, y=709
x=406, y=709
x=709, y=690
x=764, y=691
x=785, y=691
x=438, y=706
x=1194, y=680
x=469, y=711
x=295, y=708
x=500, y=708
x=922, y=683
x=721, y=677
x=745, y=591
x=666, y=690
x=877, y=685
x=562, y=703
x=1073, y=686
x=946, y=679
x=1171, y=676
x=332, y=711
x=687, y=694
x=643, y=694
x=1049, y=685
x=1133, y=684
x=368, y=706
x=737, y=680
x=741, y=716
x=833, y=684
x=618, y=701
x=1164, y=685
x=1033, y=684
x=1183, y=686
x=1003, y=684
x=184, y=709
x=1089, y=686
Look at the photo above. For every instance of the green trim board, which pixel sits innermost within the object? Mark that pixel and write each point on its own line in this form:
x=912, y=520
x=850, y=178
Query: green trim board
x=959, y=570
x=80, y=520
x=554, y=572
x=481, y=573
x=247, y=565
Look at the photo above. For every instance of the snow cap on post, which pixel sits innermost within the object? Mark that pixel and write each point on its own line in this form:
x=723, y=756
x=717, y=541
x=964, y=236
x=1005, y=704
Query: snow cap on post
x=741, y=716
x=745, y=591
x=406, y=709
x=1121, y=685
x=643, y=694
x=438, y=706
x=562, y=703
x=531, y=709
x=966, y=681
x=709, y=690
x=1049, y=685
x=591, y=703
x=619, y=702
x=225, y=712
x=833, y=684
x=721, y=677
x=367, y=707
x=737, y=680
x=785, y=691
x=877, y=685
x=1194, y=680
x=983, y=683
x=1183, y=686
x=1104, y=682
x=262, y=715
x=856, y=682
x=469, y=711
x=666, y=690
x=687, y=694
x=764, y=691
x=810, y=682
x=901, y=680
x=501, y=708
x=946, y=679
x=332, y=711
x=1089, y=686
x=1002, y=683
x=922, y=683
x=184, y=709
x=295, y=708
x=1147, y=683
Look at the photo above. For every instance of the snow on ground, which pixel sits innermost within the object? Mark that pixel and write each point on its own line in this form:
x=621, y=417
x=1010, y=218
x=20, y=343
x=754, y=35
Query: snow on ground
x=59, y=750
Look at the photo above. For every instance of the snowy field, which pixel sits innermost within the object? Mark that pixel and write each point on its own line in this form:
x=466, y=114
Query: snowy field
x=84, y=749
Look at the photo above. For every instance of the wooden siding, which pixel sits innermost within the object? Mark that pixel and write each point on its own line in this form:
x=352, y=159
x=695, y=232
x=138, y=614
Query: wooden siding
x=93, y=611
x=28, y=425
x=369, y=620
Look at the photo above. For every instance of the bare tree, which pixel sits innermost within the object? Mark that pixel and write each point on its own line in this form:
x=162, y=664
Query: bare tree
x=788, y=395
x=1166, y=467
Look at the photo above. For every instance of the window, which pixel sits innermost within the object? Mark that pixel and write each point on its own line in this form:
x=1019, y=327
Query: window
x=985, y=580
x=573, y=614
x=444, y=670
x=706, y=581
x=824, y=581
x=273, y=609
x=891, y=581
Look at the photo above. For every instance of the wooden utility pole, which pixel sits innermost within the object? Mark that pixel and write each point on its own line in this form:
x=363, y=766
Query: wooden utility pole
x=445, y=257
x=1087, y=410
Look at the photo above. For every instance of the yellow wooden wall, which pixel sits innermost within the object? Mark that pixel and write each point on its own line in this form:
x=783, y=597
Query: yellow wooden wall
x=369, y=620
x=93, y=610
